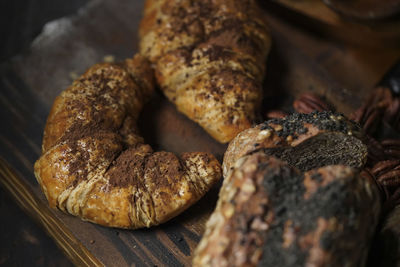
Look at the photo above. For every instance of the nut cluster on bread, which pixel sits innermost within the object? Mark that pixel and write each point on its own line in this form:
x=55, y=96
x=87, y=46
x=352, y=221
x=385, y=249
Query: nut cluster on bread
x=293, y=196
x=209, y=57
x=95, y=165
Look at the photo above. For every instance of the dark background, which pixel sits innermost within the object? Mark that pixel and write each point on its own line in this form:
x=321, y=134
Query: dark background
x=23, y=242
x=22, y=20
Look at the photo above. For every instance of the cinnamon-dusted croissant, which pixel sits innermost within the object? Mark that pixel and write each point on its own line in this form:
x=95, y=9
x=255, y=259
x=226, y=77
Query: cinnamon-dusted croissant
x=209, y=58
x=293, y=196
x=95, y=165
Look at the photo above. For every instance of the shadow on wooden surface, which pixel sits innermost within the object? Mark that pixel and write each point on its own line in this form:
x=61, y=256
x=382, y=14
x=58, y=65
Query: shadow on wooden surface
x=23, y=243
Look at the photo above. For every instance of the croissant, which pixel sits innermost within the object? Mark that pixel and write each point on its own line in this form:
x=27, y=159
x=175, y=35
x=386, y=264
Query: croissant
x=94, y=163
x=293, y=196
x=209, y=58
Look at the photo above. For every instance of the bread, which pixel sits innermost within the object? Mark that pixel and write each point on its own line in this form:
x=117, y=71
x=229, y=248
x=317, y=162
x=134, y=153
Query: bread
x=293, y=195
x=209, y=58
x=95, y=165
x=271, y=214
x=316, y=138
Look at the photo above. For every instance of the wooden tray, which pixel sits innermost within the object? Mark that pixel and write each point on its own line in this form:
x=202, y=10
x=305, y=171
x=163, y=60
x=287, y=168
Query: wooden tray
x=105, y=30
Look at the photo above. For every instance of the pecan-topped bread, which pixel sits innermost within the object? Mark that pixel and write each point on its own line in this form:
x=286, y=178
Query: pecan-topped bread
x=271, y=214
x=293, y=195
x=95, y=165
x=209, y=58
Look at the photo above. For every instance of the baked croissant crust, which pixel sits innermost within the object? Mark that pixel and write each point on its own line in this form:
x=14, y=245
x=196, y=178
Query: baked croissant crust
x=209, y=58
x=95, y=165
x=293, y=195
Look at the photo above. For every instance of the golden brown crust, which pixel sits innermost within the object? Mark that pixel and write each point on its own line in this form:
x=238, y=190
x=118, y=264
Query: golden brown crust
x=95, y=165
x=209, y=58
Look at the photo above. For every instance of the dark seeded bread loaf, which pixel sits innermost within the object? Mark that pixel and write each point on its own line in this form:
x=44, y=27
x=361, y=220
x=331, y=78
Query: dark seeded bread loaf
x=304, y=140
x=293, y=196
x=272, y=214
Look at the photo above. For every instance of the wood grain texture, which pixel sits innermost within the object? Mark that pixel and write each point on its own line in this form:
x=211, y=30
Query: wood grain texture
x=315, y=14
x=24, y=242
x=30, y=82
x=26, y=199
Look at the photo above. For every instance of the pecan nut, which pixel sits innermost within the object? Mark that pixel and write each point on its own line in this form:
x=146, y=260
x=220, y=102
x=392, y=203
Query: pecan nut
x=370, y=114
x=275, y=114
x=375, y=151
x=391, y=148
x=387, y=175
x=309, y=102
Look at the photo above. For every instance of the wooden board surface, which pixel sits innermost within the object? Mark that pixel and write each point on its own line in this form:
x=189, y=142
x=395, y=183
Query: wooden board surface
x=316, y=15
x=30, y=82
